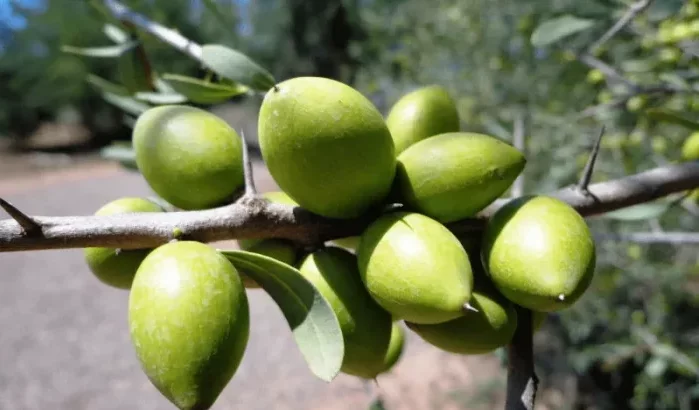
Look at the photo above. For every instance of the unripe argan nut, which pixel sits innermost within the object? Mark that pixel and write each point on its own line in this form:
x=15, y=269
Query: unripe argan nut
x=420, y=114
x=189, y=157
x=366, y=327
x=453, y=176
x=690, y=148
x=415, y=268
x=326, y=146
x=117, y=267
x=189, y=322
x=539, y=253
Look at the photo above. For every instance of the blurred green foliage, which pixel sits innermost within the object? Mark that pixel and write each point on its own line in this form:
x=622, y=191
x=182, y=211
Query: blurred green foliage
x=632, y=342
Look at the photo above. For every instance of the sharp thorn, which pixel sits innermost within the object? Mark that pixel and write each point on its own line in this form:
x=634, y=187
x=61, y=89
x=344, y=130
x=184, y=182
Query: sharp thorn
x=590, y=165
x=29, y=226
x=250, y=188
x=469, y=308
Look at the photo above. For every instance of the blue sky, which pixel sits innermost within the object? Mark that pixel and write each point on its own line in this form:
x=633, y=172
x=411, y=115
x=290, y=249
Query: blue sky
x=9, y=18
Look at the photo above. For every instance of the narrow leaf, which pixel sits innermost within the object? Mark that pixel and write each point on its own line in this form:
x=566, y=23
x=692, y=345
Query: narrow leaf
x=106, y=85
x=673, y=117
x=115, y=34
x=558, y=28
x=639, y=212
x=313, y=322
x=236, y=66
x=161, y=98
x=134, y=72
x=121, y=152
x=128, y=104
x=201, y=91
x=101, y=52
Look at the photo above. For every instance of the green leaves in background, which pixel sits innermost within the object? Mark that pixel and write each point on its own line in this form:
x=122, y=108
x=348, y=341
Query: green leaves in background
x=554, y=30
x=102, y=52
x=201, y=91
x=125, y=103
x=649, y=210
x=673, y=117
x=104, y=85
x=161, y=98
x=121, y=152
x=313, y=322
x=236, y=66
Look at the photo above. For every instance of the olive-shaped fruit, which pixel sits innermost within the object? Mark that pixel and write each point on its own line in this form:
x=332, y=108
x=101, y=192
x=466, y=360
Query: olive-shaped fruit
x=690, y=148
x=280, y=249
x=491, y=327
x=396, y=346
x=327, y=146
x=188, y=156
x=421, y=114
x=415, y=268
x=453, y=176
x=189, y=322
x=117, y=267
x=366, y=327
x=539, y=253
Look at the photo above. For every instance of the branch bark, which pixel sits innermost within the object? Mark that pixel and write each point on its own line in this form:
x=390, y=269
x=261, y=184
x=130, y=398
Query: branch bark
x=522, y=382
x=259, y=219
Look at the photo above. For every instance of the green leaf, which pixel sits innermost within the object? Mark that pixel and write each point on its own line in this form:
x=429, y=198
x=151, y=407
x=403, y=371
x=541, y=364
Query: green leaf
x=101, y=52
x=314, y=324
x=115, y=34
x=161, y=98
x=236, y=66
x=201, y=91
x=128, y=104
x=656, y=367
x=134, y=72
x=212, y=7
x=122, y=152
x=106, y=85
x=673, y=117
x=640, y=212
x=558, y=28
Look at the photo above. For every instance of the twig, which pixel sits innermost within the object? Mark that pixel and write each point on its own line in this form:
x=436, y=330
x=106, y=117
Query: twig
x=518, y=142
x=522, y=382
x=675, y=238
x=241, y=221
x=250, y=189
x=590, y=165
x=634, y=10
x=608, y=71
x=165, y=34
x=27, y=224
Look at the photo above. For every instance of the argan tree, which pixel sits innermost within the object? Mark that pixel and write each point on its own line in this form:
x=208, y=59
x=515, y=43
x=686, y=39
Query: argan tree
x=377, y=221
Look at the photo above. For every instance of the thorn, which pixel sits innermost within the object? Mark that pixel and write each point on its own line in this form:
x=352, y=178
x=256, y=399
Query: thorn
x=250, y=189
x=590, y=166
x=561, y=297
x=469, y=308
x=276, y=89
x=376, y=382
x=29, y=226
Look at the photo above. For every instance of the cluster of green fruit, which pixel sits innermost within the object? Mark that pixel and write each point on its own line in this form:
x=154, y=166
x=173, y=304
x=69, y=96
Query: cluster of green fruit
x=332, y=153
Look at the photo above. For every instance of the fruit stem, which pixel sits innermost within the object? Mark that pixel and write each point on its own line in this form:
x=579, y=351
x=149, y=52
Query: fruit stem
x=29, y=226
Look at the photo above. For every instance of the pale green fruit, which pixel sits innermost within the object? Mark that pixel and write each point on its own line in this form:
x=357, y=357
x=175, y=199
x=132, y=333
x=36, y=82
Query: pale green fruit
x=477, y=332
x=453, y=176
x=366, y=327
x=421, y=114
x=117, y=267
x=326, y=146
x=539, y=253
x=396, y=346
x=189, y=322
x=690, y=148
x=280, y=249
x=189, y=157
x=415, y=268
x=351, y=242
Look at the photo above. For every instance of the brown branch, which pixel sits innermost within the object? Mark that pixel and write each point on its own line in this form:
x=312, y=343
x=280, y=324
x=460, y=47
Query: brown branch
x=26, y=223
x=265, y=220
x=676, y=238
x=522, y=382
x=590, y=165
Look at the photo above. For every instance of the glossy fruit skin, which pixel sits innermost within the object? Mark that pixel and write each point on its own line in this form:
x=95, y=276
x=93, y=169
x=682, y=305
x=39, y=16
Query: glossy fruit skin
x=481, y=332
x=366, y=327
x=415, y=268
x=189, y=322
x=539, y=253
x=421, y=114
x=280, y=249
x=396, y=347
x=326, y=146
x=116, y=267
x=189, y=157
x=690, y=148
x=453, y=176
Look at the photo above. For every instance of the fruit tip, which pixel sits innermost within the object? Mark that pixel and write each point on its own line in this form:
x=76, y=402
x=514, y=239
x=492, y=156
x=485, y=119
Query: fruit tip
x=561, y=297
x=469, y=308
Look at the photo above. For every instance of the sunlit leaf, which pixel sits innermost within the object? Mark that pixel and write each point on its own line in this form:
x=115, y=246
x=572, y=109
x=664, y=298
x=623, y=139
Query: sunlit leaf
x=314, y=324
x=102, y=52
x=554, y=30
x=116, y=34
x=236, y=66
x=201, y=91
x=161, y=98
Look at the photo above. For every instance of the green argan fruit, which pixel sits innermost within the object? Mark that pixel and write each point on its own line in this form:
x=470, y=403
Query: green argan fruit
x=421, y=114
x=280, y=249
x=189, y=322
x=453, y=176
x=351, y=242
x=366, y=327
x=477, y=332
x=117, y=267
x=190, y=157
x=539, y=253
x=327, y=146
x=415, y=268
x=396, y=346
x=690, y=148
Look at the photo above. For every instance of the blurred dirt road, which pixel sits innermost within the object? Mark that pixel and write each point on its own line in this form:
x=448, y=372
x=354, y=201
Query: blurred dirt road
x=64, y=342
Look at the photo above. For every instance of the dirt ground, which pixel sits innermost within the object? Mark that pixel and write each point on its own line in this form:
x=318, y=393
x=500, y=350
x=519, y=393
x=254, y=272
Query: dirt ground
x=64, y=342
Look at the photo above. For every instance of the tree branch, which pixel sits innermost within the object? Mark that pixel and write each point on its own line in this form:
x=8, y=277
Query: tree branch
x=522, y=382
x=266, y=220
x=634, y=10
x=676, y=238
x=519, y=143
x=590, y=165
